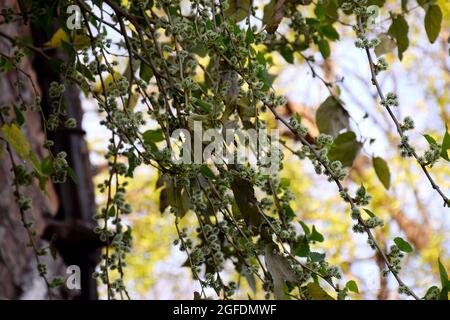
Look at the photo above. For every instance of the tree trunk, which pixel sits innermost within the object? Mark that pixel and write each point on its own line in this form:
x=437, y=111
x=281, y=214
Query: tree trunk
x=67, y=209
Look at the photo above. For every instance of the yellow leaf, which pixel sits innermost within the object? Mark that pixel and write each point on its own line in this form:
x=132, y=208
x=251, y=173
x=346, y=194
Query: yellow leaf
x=134, y=99
x=108, y=81
x=80, y=41
x=16, y=139
x=317, y=293
x=58, y=37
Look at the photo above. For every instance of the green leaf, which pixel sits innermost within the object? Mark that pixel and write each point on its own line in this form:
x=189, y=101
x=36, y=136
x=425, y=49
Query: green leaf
x=345, y=148
x=305, y=228
x=285, y=182
x=433, y=20
x=331, y=10
x=71, y=174
x=444, y=281
x=205, y=106
x=403, y=245
x=330, y=32
x=16, y=139
x=206, y=171
x=5, y=64
x=317, y=293
x=331, y=117
x=153, y=136
x=430, y=290
x=289, y=212
x=238, y=9
x=280, y=270
x=315, y=235
x=163, y=181
x=198, y=48
x=145, y=72
x=178, y=198
x=35, y=162
x=244, y=195
x=370, y=213
x=430, y=139
x=302, y=250
x=266, y=78
x=287, y=54
x=47, y=166
x=443, y=275
x=382, y=170
x=324, y=48
x=260, y=58
x=133, y=162
x=112, y=212
x=386, y=45
x=52, y=246
x=317, y=256
x=249, y=36
x=445, y=145
x=352, y=286
x=273, y=14
x=19, y=116
x=399, y=31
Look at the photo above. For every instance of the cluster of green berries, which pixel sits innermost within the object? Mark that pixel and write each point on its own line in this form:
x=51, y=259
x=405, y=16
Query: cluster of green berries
x=362, y=197
x=408, y=124
x=391, y=100
x=431, y=156
x=298, y=127
x=363, y=43
x=406, y=150
x=380, y=66
x=394, y=257
x=60, y=168
x=56, y=89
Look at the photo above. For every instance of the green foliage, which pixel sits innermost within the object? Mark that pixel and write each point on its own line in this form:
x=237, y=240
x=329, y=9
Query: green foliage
x=352, y=286
x=345, y=148
x=14, y=136
x=445, y=145
x=444, y=281
x=382, y=170
x=238, y=9
x=331, y=117
x=386, y=45
x=403, y=245
x=433, y=21
x=399, y=31
x=280, y=270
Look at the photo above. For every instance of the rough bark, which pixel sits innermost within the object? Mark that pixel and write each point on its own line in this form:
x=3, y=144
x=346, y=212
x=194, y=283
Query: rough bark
x=67, y=209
